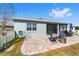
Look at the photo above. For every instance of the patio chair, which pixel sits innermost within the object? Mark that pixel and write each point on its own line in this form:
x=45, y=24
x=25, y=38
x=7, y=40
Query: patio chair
x=62, y=37
x=53, y=37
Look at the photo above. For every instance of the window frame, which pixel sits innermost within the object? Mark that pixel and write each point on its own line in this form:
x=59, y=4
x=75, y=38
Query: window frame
x=31, y=26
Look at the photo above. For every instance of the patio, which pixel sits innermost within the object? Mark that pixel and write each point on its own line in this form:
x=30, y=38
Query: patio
x=41, y=44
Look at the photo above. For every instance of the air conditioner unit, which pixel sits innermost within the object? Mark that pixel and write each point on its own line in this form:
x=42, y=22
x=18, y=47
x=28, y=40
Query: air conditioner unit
x=21, y=33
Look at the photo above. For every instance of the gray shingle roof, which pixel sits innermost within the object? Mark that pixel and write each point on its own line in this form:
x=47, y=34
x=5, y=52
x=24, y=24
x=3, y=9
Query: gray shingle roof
x=37, y=20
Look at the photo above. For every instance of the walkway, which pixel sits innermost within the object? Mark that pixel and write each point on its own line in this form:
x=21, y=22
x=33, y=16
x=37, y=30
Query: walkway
x=41, y=44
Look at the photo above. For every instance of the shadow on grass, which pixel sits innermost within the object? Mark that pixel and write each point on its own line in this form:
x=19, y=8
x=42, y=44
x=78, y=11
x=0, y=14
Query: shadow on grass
x=16, y=51
x=72, y=50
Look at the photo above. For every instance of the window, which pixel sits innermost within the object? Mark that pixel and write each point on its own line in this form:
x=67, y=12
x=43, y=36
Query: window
x=31, y=26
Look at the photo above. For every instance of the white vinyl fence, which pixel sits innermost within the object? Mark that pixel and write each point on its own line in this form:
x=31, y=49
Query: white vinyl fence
x=7, y=38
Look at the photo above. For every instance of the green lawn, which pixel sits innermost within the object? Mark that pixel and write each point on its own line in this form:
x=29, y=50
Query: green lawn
x=16, y=50
x=72, y=50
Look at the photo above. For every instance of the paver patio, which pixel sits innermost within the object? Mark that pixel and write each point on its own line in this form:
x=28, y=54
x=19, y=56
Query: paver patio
x=39, y=44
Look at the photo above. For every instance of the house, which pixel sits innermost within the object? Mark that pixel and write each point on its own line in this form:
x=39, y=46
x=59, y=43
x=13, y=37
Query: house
x=33, y=27
x=76, y=30
x=8, y=27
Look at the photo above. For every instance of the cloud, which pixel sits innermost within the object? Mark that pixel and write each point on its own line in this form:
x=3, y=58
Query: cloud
x=60, y=13
x=69, y=14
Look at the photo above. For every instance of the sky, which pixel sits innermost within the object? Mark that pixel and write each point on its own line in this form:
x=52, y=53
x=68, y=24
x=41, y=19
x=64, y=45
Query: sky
x=61, y=12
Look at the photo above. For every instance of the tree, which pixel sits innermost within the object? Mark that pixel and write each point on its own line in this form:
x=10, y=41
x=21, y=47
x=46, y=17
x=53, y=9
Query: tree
x=7, y=12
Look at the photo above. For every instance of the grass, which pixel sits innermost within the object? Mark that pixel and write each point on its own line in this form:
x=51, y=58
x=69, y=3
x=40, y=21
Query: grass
x=72, y=50
x=16, y=51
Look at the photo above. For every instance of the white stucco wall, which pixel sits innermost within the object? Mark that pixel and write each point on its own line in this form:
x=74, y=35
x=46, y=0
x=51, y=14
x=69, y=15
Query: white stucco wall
x=41, y=30
x=73, y=30
x=77, y=32
x=22, y=26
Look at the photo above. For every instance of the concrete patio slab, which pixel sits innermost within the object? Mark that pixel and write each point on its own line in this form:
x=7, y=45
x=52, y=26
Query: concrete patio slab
x=40, y=44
